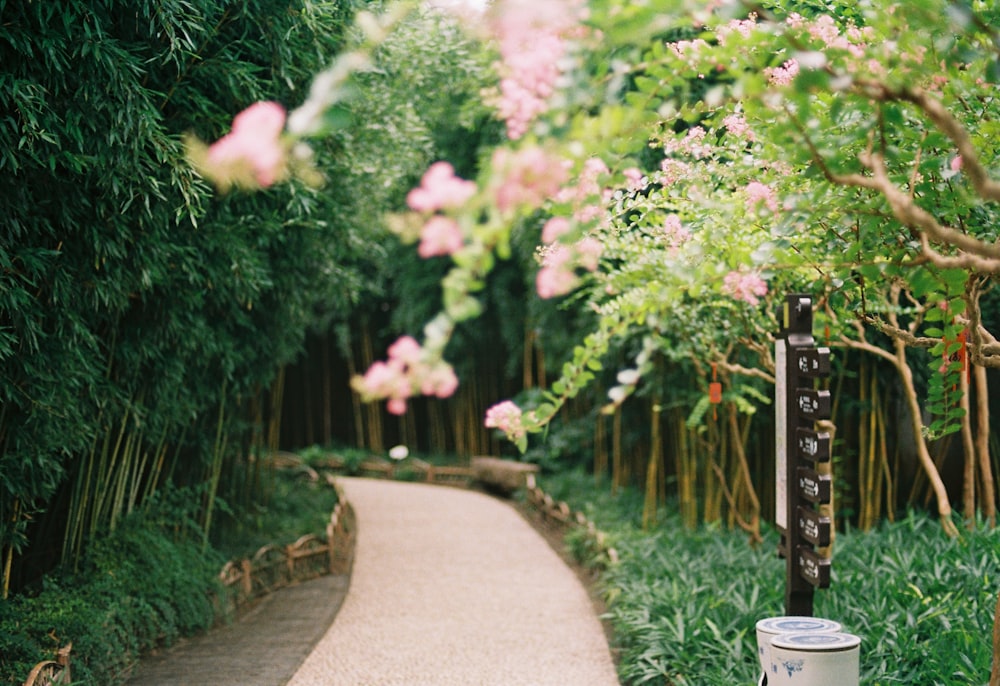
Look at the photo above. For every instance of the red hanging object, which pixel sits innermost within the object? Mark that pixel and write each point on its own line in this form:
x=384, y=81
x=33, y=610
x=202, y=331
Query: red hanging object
x=714, y=391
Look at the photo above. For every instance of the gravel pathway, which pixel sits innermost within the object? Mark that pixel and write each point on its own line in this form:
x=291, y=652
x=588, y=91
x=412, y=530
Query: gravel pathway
x=453, y=587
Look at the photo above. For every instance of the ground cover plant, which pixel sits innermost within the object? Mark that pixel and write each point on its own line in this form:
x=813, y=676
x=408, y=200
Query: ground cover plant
x=683, y=603
x=151, y=581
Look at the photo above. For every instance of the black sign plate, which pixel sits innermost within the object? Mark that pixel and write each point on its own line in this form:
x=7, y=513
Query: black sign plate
x=813, y=362
x=813, y=486
x=813, y=445
x=813, y=568
x=814, y=527
x=814, y=405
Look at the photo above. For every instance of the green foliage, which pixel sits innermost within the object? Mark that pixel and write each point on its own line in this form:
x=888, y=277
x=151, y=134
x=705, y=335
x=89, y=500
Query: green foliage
x=296, y=505
x=139, y=588
x=683, y=604
x=137, y=316
x=151, y=581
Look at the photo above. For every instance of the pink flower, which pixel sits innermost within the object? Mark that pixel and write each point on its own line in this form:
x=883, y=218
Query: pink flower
x=405, y=350
x=674, y=232
x=396, y=406
x=505, y=416
x=532, y=38
x=634, y=178
x=439, y=381
x=783, y=75
x=440, y=189
x=757, y=193
x=589, y=251
x=673, y=171
x=556, y=276
x=530, y=177
x=956, y=163
x=554, y=228
x=254, y=142
x=440, y=236
x=737, y=125
x=745, y=287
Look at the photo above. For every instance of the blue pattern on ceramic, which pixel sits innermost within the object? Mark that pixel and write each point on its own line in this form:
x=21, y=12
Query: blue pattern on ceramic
x=793, y=666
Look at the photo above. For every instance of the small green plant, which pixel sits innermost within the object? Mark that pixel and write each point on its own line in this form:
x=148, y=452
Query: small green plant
x=683, y=603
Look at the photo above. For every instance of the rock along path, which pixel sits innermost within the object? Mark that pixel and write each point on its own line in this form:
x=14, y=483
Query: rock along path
x=453, y=587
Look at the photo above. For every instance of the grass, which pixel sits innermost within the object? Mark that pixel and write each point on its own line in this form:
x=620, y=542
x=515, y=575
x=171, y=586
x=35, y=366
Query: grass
x=683, y=604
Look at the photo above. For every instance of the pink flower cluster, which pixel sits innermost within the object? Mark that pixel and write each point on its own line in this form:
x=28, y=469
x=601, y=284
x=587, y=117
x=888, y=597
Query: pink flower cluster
x=529, y=177
x=747, y=287
x=783, y=75
x=672, y=171
x=693, y=143
x=588, y=195
x=532, y=38
x=758, y=193
x=405, y=373
x=674, y=233
x=737, y=125
x=559, y=262
x=744, y=27
x=254, y=142
x=556, y=277
x=507, y=417
x=440, y=189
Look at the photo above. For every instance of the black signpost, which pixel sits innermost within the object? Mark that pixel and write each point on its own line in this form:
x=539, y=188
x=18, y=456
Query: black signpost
x=800, y=487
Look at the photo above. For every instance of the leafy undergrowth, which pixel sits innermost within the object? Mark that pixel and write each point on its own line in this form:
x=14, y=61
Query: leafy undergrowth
x=683, y=604
x=149, y=583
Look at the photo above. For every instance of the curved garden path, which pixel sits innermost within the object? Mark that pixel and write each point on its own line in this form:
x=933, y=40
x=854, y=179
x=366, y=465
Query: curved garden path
x=453, y=587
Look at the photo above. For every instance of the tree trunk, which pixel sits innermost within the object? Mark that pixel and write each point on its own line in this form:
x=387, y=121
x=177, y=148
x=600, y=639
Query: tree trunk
x=988, y=497
x=968, y=454
x=923, y=454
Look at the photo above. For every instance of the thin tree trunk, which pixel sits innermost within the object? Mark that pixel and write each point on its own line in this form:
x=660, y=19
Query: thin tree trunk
x=988, y=498
x=910, y=393
x=968, y=455
x=744, y=466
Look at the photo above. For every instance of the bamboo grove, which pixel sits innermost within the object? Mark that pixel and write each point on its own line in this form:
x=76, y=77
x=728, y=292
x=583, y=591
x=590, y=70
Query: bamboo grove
x=144, y=319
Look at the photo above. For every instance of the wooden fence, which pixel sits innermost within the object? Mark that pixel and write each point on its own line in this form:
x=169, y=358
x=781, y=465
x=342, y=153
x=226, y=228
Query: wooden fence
x=276, y=566
x=246, y=580
x=559, y=514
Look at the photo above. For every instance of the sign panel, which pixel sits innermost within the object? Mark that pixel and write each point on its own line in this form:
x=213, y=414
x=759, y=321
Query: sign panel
x=813, y=486
x=814, y=527
x=813, y=405
x=813, y=362
x=813, y=568
x=813, y=446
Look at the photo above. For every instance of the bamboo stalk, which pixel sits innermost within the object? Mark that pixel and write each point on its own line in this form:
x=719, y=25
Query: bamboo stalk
x=9, y=553
x=600, y=449
x=886, y=477
x=650, y=502
x=216, y=466
x=616, y=450
x=527, y=352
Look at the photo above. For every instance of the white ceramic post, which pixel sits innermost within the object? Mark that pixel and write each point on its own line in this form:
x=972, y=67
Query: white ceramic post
x=815, y=659
x=768, y=628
